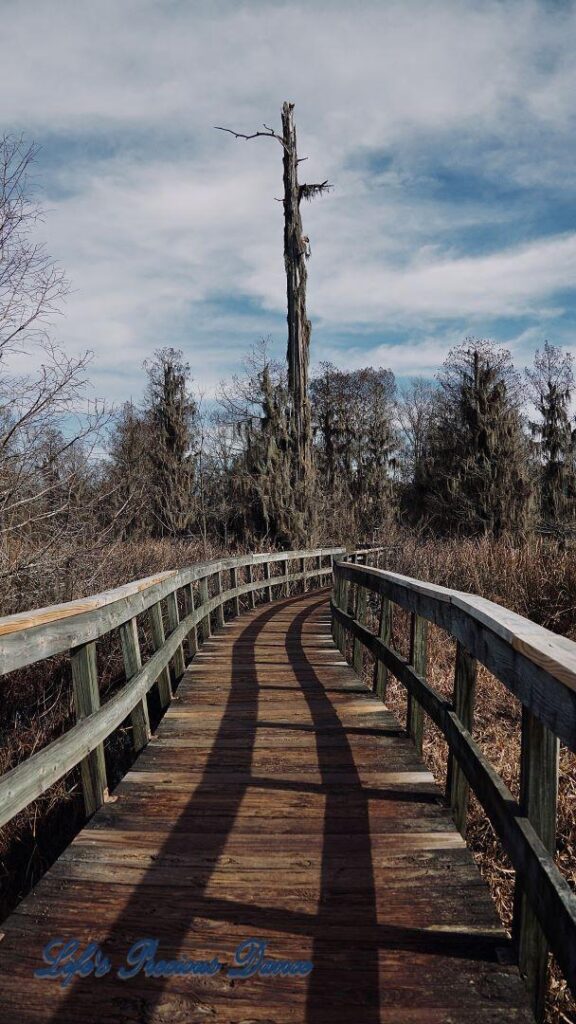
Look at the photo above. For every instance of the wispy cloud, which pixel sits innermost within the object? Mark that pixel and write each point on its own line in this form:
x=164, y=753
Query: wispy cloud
x=447, y=128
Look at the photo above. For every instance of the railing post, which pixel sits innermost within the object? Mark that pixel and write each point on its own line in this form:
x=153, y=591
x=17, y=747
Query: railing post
x=337, y=601
x=359, y=615
x=344, y=603
x=251, y=594
x=206, y=631
x=303, y=570
x=319, y=567
x=86, y=701
x=132, y=664
x=418, y=659
x=538, y=800
x=220, y=609
x=267, y=574
x=286, y=588
x=345, y=596
x=158, y=639
x=234, y=583
x=385, y=635
x=173, y=617
x=457, y=786
x=193, y=635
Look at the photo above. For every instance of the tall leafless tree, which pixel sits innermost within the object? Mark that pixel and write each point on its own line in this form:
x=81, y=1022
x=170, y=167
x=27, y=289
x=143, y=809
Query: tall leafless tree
x=296, y=254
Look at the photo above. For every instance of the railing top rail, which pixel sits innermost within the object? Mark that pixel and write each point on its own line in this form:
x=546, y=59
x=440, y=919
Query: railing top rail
x=535, y=664
x=27, y=637
x=550, y=651
x=22, y=621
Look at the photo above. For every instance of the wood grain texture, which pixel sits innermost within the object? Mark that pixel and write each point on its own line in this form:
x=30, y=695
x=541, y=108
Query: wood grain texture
x=538, y=799
x=158, y=640
x=86, y=693
x=457, y=786
x=279, y=799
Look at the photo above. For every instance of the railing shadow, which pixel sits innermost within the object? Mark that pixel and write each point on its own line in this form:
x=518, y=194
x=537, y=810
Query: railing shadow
x=192, y=819
x=341, y=849
x=344, y=930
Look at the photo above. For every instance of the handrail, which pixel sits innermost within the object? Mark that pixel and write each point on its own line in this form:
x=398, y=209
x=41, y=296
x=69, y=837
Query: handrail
x=28, y=637
x=539, y=668
x=53, y=630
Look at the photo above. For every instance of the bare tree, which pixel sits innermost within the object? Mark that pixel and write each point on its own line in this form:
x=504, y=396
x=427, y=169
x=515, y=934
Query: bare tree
x=254, y=409
x=415, y=408
x=296, y=254
x=46, y=423
x=356, y=447
x=128, y=473
x=31, y=283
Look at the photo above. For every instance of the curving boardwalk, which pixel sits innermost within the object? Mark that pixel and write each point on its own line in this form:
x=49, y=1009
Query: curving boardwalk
x=278, y=800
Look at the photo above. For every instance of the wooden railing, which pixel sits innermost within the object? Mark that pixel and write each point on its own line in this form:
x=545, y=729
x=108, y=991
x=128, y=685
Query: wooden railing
x=539, y=668
x=181, y=607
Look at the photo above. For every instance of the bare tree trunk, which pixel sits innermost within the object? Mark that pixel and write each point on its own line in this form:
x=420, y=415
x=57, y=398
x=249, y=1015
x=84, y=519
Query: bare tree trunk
x=299, y=327
x=296, y=252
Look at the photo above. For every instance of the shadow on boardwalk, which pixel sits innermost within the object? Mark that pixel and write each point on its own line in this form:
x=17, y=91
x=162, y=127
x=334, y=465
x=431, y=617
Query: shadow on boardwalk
x=344, y=983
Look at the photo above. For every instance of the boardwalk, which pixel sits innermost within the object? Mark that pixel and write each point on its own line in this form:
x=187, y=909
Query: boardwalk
x=278, y=800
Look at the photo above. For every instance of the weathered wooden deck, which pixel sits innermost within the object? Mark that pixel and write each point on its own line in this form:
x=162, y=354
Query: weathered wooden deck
x=278, y=800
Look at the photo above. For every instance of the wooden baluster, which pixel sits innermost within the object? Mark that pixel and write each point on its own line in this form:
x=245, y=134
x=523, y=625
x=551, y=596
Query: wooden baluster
x=418, y=659
x=360, y=616
x=337, y=601
x=132, y=664
x=193, y=635
x=205, y=630
x=158, y=638
x=538, y=800
x=342, y=599
x=385, y=634
x=457, y=786
x=86, y=701
x=252, y=593
x=234, y=584
x=220, y=609
x=303, y=570
x=345, y=606
x=285, y=572
x=267, y=575
x=173, y=617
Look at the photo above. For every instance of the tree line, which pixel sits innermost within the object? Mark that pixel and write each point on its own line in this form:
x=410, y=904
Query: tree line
x=482, y=449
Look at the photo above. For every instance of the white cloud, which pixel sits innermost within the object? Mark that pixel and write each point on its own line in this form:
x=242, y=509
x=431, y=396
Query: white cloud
x=514, y=282
x=159, y=236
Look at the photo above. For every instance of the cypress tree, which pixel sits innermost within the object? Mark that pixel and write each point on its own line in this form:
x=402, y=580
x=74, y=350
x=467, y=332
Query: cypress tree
x=475, y=478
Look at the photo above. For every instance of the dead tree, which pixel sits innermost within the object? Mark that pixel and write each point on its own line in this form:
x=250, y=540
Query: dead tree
x=296, y=253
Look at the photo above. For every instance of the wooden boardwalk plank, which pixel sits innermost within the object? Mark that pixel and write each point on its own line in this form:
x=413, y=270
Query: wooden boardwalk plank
x=278, y=800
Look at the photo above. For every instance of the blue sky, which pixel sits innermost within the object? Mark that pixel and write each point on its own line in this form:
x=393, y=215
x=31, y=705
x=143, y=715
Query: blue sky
x=447, y=129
